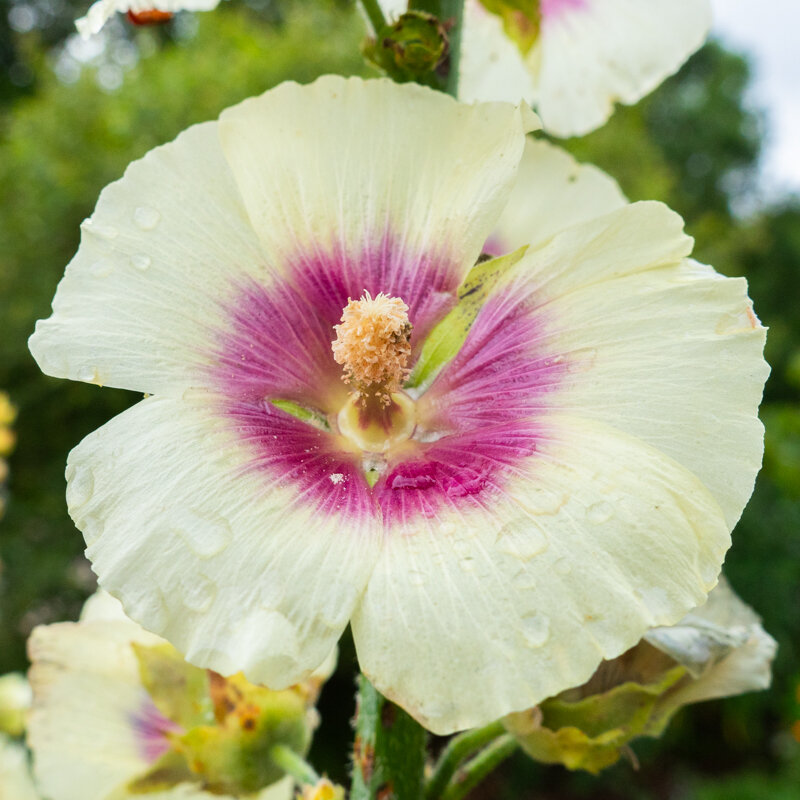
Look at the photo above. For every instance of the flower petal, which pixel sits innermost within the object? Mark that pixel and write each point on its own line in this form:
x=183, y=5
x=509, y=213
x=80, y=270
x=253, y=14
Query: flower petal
x=659, y=347
x=86, y=686
x=227, y=558
x=491, y=606
x=552, y=193
x=592, y=53
x=344, y=165
x=155, y=273
x=100, y=12
x=15, y=778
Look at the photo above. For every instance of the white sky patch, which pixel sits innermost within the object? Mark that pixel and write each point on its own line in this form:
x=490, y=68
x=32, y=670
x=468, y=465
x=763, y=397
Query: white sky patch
x=767, y=32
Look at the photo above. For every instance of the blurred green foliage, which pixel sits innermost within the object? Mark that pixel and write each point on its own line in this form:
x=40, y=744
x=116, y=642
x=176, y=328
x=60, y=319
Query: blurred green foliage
x=692, y=144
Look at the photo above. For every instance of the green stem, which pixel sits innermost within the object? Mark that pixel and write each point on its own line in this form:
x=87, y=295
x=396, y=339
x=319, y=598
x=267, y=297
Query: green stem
x=453, y=10
x=472, y=773
x=293, y=764
x=389, y=749
x=458, y=749
x=374, y=14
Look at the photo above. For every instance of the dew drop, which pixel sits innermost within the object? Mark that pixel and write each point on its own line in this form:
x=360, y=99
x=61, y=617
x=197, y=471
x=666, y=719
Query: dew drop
x=197, y=592
x=146, y=217
x=98, y=229
x=417, y=578
x=204, y=535
x=599, y=513
x=536, y=629
x=80, y=486
x=141, y=261
x=447, y=528
x=101, y=269
x=521, y=539
x=542, y=502
x=87, y=373
x=563, y=566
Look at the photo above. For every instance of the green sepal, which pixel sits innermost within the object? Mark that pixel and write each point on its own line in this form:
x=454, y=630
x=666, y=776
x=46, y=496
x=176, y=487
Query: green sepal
x=445, y=340
x=414, y=48
x=592, y=733
x=170, y=770
x=302, y=413
x=522, y=20
x=233, y=755
x=178, y=689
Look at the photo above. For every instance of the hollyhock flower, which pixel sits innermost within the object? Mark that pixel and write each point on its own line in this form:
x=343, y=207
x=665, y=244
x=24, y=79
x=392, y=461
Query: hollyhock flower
x=573, y=59
x=118, y=713
x=717, y=650
x=537, y=461
x=139, y=12
x=15, y=774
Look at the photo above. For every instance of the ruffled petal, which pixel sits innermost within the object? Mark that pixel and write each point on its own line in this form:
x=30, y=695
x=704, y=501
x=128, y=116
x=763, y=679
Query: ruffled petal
x=160, y=264
x=593, y=53
x=654, y=345
x=507, y=597
x=552, y=192
x=244, y=542
x=369, y=185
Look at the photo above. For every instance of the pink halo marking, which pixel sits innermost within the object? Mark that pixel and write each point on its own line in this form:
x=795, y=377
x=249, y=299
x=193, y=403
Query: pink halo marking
x=152, y=729
x=489, y=401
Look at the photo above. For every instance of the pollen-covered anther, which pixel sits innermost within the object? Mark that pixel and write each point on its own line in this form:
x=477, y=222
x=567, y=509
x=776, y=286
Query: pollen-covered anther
x=372, y=344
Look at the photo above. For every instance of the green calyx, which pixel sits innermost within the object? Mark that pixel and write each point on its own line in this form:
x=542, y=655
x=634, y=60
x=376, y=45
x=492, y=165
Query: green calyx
x=225, y=728
x=522, y=20
x=592, y=733
x=414, y=48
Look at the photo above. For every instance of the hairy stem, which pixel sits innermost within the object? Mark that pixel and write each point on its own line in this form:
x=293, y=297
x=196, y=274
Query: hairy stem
x=374, y=14
x=458, y=749
x=389, y=749
x=472, y=773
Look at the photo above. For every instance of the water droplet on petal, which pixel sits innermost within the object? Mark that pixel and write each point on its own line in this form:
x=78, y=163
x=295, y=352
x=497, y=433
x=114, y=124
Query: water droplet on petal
x=563, y=566
x=141, y=261
x=87, y=373
x=204, y=535
x=101, y=269
x=417, y=578
x=80, y=485
x=536, y=629
x=467, y=564
x=522, y=539
x=599, y=512
x=197, y=592
x=542, y=502
x=98, y=229
x=447, y=528
x=146, y=217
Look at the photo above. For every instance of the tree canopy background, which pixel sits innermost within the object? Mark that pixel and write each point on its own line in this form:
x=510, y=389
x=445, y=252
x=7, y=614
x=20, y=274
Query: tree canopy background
x=72, y=118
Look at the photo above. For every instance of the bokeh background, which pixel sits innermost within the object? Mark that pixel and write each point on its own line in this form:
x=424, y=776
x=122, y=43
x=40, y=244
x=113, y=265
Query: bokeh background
x=73, y=114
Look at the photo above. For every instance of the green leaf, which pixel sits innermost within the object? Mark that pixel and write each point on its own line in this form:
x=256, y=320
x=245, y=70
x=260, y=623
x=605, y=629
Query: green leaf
x=522, y=20
x=178, y=690
x=445, y=340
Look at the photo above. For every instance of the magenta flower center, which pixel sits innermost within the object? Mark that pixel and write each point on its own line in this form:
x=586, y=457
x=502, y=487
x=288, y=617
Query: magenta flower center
x=459, y=442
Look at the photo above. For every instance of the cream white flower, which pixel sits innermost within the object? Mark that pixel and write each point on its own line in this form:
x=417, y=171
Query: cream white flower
x=560, y=472
x=98, y=724
x=573, y=59
x=102, y=10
